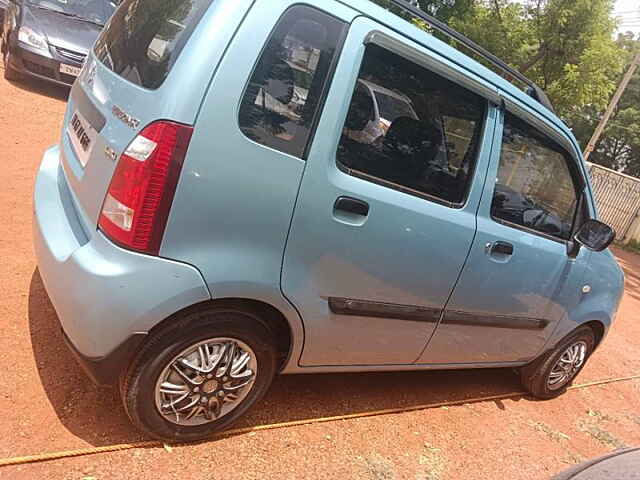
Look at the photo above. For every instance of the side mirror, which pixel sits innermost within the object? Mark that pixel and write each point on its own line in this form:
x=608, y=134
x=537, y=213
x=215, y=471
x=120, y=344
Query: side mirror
x=595, y=235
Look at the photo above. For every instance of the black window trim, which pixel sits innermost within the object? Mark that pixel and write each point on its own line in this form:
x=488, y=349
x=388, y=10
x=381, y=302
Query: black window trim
x=579, y=184
x=436, y=67
x=323, y=94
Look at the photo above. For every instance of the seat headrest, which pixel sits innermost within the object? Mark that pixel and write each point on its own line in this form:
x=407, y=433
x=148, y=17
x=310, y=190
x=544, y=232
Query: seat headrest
x=409, y=133
x=361, y=111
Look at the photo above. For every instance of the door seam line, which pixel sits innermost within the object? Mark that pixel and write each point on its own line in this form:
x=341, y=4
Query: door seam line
x=475, y=233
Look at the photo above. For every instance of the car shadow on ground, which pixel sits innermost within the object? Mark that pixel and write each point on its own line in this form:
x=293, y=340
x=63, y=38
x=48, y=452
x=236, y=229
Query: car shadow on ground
x=96, y=415
x=41, y=87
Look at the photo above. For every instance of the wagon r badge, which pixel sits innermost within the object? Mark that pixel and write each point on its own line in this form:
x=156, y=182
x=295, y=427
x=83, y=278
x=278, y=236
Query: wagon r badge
x=125, y=117
x=91, y=75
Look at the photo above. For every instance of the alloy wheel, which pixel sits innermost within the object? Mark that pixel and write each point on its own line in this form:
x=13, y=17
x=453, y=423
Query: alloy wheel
x=568, y=365
x=205, y=381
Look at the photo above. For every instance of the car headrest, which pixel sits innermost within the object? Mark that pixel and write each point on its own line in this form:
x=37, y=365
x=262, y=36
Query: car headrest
x=408, y=134
x=361, y=111
x=279, y=82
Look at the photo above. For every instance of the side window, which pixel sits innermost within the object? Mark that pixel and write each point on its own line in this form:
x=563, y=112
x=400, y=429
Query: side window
x=534, y=188
x=283, y=96
x=411, y=129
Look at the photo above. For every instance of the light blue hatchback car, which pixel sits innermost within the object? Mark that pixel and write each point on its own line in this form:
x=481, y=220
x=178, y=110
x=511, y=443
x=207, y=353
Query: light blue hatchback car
x=245, y=188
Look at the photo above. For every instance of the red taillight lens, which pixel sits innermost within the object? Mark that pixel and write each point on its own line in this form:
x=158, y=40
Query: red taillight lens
x=136, y=208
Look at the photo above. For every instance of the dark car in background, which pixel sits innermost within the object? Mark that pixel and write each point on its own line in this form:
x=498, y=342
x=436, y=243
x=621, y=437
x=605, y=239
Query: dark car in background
x=49, y=39
x=3, y=6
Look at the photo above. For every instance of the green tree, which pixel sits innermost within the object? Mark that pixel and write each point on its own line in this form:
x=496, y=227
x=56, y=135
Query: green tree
x=568, y=48
x=565, y=46
x=619, y=145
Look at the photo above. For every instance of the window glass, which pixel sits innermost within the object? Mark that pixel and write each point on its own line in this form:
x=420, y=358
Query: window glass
x=283, y=96
x=411, y=129
x=144, y=38
x=97, y=12
x=534, y=188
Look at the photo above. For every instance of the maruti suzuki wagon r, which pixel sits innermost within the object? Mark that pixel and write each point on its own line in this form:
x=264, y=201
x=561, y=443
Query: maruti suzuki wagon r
x=246, y=188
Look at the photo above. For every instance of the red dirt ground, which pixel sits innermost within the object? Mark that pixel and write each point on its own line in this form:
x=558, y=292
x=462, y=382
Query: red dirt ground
x=49, y=405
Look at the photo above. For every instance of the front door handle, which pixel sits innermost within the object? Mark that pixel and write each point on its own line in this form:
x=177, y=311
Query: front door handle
x=502, y=248
x=352, y=206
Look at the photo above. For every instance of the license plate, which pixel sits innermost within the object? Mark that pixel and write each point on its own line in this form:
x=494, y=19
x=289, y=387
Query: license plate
x=82, y=136
x=69, y=69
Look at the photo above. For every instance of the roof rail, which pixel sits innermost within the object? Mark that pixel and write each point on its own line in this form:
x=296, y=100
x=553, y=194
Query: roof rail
x=532, y=90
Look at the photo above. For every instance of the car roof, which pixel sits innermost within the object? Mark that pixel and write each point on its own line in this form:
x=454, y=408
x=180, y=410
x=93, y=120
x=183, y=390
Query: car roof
x=381, y=15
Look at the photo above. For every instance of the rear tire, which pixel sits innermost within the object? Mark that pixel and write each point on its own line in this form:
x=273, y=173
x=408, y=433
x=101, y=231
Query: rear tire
x=9, y=73
x=218, y=349
x=550, y=375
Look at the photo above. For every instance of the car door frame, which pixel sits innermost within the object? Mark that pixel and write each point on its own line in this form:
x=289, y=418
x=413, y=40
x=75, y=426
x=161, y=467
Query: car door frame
x=454, y=321
x=330, y=125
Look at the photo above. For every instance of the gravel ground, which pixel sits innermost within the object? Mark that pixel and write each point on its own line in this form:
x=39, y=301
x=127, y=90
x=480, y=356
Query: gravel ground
x=49, y=405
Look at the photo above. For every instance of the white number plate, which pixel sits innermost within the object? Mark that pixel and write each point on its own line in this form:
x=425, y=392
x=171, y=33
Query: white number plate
x=70, y=69
x=82, y=136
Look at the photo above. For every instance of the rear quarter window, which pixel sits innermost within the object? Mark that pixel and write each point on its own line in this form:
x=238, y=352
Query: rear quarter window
x=144, y=38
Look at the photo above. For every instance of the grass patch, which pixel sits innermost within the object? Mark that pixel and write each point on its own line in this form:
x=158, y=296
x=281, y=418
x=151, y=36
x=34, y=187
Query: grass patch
x=433, y=463
x=554, y=435
x=378, y=467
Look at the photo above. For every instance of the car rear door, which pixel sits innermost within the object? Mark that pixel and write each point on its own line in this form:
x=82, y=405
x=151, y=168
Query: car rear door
x=520, y=279
x=385, y=215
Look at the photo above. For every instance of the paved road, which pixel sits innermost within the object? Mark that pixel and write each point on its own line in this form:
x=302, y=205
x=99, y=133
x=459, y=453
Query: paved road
x=49, y=405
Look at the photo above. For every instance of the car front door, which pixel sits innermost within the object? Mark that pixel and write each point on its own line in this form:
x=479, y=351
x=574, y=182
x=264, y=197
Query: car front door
x=519, y=280
x=386, y=214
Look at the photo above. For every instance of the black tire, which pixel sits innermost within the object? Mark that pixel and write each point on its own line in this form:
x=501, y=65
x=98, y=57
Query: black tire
x=9, y=73
x=535, y=376
x=137, y=385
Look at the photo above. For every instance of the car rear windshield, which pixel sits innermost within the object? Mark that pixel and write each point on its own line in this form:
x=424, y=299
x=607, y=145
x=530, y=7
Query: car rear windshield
x=145, y=37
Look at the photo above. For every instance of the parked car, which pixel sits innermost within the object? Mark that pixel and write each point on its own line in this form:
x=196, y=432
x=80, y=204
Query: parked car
x=3, y=6
x=623, y=464
x=201, y=227
x=49, y=39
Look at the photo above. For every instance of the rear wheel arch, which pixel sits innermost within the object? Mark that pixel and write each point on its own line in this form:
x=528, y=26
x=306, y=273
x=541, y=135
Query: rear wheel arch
x=263, y=313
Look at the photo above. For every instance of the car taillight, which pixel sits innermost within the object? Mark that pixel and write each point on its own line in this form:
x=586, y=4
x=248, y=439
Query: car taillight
x=136, y=207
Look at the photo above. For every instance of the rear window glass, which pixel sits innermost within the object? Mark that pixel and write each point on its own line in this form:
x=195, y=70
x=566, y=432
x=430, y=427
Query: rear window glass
x=144, y=38
x=284, y=95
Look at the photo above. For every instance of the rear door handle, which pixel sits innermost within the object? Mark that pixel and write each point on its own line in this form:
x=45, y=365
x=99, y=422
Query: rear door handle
x=501, y=248
x=352, y=206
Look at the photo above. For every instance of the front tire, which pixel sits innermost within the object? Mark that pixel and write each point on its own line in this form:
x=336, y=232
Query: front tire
x=9, y=73
x=551, y=375
x=199, y=374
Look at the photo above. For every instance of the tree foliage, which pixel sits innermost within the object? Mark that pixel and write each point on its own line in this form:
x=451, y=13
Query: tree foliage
x=569, y=49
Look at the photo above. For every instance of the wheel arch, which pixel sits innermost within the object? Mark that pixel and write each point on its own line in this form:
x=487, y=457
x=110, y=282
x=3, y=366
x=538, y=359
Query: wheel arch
x=263, y=312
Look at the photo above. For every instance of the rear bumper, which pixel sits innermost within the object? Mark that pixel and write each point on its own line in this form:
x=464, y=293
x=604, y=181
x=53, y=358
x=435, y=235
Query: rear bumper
x=106, y=298
x=106, y=370
x=36, y=65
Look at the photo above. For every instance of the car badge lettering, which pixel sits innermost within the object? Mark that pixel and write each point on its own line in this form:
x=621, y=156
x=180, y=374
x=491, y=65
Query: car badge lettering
x=124, y=117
